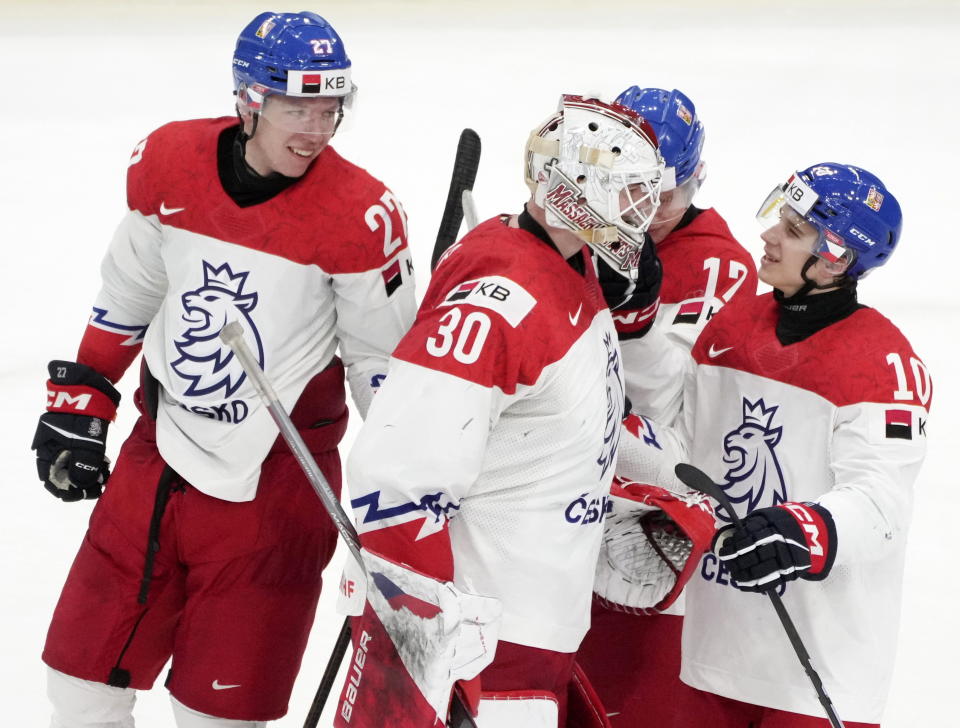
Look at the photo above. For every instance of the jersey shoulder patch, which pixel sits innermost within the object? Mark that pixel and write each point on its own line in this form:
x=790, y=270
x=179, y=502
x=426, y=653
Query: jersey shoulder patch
x=499, y=309
x=496, y=293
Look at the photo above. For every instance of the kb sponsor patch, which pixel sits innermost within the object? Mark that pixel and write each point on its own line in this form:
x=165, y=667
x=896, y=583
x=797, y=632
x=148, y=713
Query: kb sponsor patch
x=499, y=294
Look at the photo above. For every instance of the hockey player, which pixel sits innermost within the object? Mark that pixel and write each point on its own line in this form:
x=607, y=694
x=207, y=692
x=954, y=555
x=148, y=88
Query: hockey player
x=810, y=410
x=634, y=661
x=479, y=480
x=208, y=543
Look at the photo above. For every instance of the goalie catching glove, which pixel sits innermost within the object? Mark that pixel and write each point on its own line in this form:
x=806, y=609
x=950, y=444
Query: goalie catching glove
x=652, y=542
x=71, y=436
x=777, y=545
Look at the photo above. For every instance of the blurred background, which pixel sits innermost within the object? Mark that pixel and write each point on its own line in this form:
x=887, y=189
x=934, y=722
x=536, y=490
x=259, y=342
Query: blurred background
x=778, y=87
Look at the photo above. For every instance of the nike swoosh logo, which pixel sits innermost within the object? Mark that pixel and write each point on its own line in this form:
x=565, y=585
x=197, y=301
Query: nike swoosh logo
x=217, y=686
x=164, y=210
x=574, y=317
x=714, y=353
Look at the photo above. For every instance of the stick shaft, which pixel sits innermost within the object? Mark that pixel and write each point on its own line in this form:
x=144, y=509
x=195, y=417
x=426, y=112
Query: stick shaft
x=232, y=335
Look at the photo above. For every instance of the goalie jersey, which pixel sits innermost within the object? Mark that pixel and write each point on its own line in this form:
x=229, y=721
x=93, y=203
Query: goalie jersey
x=487, y=456
x=322, y=265
x=839, y=418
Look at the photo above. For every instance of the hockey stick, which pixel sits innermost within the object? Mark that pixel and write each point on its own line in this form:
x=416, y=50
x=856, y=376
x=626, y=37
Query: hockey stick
x=695, y=478
x=469, y=209
x=232, y=336
x=464, y=174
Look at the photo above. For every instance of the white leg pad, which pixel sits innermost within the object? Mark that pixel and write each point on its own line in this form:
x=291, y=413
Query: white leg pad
x=518, y=709
x=84, y=704
x=189, y=718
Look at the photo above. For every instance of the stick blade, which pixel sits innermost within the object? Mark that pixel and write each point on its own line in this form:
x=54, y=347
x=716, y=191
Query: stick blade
x=693, y=477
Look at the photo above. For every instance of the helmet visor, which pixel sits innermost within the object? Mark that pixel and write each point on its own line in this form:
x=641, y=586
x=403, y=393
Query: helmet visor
x=316, y=114
x=779, y=208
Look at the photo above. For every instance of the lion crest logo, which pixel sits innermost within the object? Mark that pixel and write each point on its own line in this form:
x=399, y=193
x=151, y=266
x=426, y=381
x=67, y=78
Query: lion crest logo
x=205, y=361
x=754, y=475
x=615, y=402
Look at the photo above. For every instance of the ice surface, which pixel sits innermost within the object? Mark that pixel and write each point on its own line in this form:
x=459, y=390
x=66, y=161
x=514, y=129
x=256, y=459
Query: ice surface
x=779, y=87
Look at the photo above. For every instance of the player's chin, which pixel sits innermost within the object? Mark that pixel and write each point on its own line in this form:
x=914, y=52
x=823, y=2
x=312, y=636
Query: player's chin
x=298, y=158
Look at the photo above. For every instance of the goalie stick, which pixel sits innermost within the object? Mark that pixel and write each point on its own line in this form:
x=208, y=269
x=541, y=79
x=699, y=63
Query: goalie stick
x=232, y=336
x=465, y=166
x=701, y=482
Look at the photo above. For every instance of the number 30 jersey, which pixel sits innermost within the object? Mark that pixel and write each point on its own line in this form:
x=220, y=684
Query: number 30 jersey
x=487, y=455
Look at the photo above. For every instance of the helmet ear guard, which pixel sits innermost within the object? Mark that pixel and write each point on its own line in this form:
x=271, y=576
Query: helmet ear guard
x=595, y=170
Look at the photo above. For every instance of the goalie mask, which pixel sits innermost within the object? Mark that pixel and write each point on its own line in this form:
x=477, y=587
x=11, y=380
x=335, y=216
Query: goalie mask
x=594, y=168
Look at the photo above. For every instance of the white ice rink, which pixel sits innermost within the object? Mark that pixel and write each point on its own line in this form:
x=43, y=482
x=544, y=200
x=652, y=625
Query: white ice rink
x=778, y=86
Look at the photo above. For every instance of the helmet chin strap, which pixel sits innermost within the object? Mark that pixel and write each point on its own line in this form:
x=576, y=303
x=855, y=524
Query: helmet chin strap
x=809, y=285
x=253, y=130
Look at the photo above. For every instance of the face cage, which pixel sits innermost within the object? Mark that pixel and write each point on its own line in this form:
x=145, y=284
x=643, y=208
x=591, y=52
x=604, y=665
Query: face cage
x=829, y=246
x=638, y=201
x=255, y=99
x=587, y=206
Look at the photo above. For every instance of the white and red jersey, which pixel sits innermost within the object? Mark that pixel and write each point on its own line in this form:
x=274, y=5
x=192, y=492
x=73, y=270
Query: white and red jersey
x=704, y=267
x=840, y=419
x=322, y=264
x=487, y=456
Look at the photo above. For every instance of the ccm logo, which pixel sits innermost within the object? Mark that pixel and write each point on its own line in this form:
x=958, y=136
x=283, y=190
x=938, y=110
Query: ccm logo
x=64, y=399
x=356, y=674
x=809, y=525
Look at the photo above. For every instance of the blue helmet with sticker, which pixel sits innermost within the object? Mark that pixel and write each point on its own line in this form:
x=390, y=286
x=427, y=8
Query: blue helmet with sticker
x=679, y=132
x=294, y=54
x=857, y=217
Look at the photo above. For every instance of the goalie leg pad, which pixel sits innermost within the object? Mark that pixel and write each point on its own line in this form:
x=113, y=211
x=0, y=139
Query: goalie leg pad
x=518, y=709
x=584, y=709
x=417, y=636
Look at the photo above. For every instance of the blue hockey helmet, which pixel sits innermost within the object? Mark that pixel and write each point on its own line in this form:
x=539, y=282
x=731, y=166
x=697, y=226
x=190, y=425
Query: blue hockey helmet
x=293, y=54
x=858, y=219
x=679, y=132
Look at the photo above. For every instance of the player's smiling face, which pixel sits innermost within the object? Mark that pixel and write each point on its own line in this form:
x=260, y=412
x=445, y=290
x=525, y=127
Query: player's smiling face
x=291, y=133
x=787, y=247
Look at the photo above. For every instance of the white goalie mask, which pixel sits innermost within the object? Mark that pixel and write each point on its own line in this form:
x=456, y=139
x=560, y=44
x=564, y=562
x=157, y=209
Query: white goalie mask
x=595, y=169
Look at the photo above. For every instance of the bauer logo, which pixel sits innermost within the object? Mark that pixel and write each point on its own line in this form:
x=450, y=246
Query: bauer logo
x=862, y=236
x=205, y=362
x=496, y=293
x=754, y=478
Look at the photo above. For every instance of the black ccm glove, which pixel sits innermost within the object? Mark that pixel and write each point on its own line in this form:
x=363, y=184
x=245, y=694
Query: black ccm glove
x=781, y=543
x=634, y=304
x=71, y=436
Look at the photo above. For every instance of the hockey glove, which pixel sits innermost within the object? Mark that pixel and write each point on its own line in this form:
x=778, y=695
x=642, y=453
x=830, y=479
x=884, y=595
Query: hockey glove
x=653, y=540
x=71, y=436
x=778, y=545
x=634, y=304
